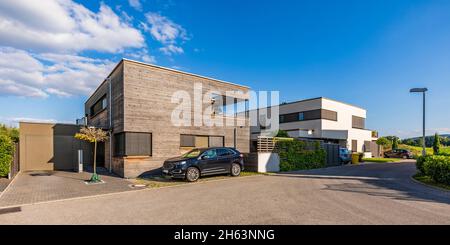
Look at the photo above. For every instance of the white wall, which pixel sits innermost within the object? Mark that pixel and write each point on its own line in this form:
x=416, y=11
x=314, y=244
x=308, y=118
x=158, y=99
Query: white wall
x=341, y=129
x=344, y=122
x=268, y=162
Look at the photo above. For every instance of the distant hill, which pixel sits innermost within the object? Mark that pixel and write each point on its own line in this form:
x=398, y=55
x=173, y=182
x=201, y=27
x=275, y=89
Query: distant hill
x=445, y=140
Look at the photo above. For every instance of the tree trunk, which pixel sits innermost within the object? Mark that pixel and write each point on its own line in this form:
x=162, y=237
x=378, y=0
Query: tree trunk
x=95, y=157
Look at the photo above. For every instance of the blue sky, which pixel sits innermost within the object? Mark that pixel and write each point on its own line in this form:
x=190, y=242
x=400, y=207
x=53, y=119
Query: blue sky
x=367, y=53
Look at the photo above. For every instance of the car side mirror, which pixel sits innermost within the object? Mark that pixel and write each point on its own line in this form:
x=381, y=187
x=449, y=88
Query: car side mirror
x=203, y=157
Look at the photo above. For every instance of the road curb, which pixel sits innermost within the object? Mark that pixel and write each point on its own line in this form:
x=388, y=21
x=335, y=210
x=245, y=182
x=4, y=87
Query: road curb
x=431, y=186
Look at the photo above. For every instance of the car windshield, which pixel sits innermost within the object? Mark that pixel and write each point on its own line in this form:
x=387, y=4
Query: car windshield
x=192, y=154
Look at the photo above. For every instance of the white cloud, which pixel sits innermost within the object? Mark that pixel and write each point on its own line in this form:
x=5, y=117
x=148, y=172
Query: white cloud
x=166, y=32
x=171, y=49
x=141, y=55
x=30, y=75
x=136, y=4
x=64, y=26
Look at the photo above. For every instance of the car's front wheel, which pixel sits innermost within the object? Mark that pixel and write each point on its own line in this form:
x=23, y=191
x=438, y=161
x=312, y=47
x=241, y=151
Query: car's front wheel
x=235, y=169
x=192, y=174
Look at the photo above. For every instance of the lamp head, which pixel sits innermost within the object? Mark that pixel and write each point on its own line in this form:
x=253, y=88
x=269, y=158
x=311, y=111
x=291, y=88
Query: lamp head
x=418, y=90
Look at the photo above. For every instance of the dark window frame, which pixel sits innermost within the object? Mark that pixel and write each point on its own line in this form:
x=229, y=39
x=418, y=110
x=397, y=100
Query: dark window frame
x=121, y=148
x=318, y=114
x=93, y=111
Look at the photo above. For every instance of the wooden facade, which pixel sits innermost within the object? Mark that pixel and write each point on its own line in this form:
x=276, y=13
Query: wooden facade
x=141, y=102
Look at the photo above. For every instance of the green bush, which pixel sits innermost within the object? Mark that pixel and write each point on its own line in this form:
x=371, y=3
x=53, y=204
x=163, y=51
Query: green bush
x=6, y=154
x=295, y=155
x=419, y=164
x=437, y=167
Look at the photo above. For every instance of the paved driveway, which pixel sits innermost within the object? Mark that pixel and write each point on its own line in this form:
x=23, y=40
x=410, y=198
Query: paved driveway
x=365, y=194
x=42, y=186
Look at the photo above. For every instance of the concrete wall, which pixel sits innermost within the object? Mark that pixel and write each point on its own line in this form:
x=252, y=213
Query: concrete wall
x=47, y=146
x=268, y=162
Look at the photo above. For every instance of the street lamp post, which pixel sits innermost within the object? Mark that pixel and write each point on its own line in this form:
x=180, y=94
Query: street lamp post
x=422, y=90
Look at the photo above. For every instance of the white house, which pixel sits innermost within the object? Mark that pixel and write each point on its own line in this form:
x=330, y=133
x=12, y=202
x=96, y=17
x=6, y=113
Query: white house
x=328, y=120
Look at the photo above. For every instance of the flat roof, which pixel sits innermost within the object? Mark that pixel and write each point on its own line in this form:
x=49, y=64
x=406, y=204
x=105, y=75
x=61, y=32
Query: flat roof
x=183, y=72
x=164, y=68
x=318, y=98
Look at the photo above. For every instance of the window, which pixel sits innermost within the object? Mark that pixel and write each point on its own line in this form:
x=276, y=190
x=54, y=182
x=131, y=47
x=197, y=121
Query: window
x=367, y=145
x=200, y=141
x=358, y=122
x=291, y=117
x=301, y=116
x=187, y=140
x=209, y=154
x=354, y=146
x=133, y=144
x=329, y=115
x=223, y=152
x=99, y=106
x=216, y=141
x=309, y=115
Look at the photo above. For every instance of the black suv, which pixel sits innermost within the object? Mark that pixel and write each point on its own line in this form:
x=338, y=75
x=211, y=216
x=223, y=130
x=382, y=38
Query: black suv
x=204, y=161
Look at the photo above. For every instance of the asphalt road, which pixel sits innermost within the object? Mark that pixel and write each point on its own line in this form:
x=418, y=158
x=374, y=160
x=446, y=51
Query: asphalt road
x=364, y=194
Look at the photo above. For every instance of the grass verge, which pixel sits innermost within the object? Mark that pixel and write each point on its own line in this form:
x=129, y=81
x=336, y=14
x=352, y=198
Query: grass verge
x=381, y=160
x=160, y=181
x=428, y=181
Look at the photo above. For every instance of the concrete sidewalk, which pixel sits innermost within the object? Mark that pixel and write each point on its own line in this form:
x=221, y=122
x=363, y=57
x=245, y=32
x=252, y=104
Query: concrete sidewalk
x=42, y=186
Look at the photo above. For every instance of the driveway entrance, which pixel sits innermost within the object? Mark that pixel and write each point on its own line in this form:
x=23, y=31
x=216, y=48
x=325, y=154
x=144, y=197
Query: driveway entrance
x=41, y=186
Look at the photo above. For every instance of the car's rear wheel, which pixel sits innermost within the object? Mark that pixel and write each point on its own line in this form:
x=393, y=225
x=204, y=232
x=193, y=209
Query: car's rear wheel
x=235, y=169
x=405, y=157
x=192, y=174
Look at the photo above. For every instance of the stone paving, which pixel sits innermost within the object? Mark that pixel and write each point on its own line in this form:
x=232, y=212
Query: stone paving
x=3, y=184
x=41, y=186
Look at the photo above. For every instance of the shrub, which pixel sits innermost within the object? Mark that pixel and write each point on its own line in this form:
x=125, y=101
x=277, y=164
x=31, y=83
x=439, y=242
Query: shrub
x=437, y=167
x=294, y=155
x=282, y=133
x=436, y=144
x=6, y=154
x=419, y=164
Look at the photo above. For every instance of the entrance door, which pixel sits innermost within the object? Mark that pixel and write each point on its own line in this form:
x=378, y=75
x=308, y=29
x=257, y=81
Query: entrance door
x=101, y=154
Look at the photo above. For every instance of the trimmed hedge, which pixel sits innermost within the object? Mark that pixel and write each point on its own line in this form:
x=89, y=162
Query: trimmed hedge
x=436, y=167
x=6, y=154
x=294, y=155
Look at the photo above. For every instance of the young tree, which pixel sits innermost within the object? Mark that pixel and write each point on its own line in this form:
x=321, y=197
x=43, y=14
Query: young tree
x=384, y=142
x=436, y=144
x=93, y=135
x=394, y=143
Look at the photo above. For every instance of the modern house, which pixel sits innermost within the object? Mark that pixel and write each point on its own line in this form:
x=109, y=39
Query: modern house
x=135, y=104
x=327, y=120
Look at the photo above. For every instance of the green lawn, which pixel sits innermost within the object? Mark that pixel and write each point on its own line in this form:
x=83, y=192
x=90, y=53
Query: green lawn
x=381, y=160
x=417, y=151
x=427, y=180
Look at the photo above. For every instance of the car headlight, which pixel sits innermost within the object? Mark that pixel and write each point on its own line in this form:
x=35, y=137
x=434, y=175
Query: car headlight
x=181, y=163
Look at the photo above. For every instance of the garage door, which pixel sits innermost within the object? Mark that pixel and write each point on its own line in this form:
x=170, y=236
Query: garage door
x=38, y=153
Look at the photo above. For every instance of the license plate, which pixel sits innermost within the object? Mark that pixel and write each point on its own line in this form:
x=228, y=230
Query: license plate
x=165, y=171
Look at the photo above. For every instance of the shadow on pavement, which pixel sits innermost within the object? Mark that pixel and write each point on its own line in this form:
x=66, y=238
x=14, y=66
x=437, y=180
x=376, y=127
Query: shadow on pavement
x=390, y=180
